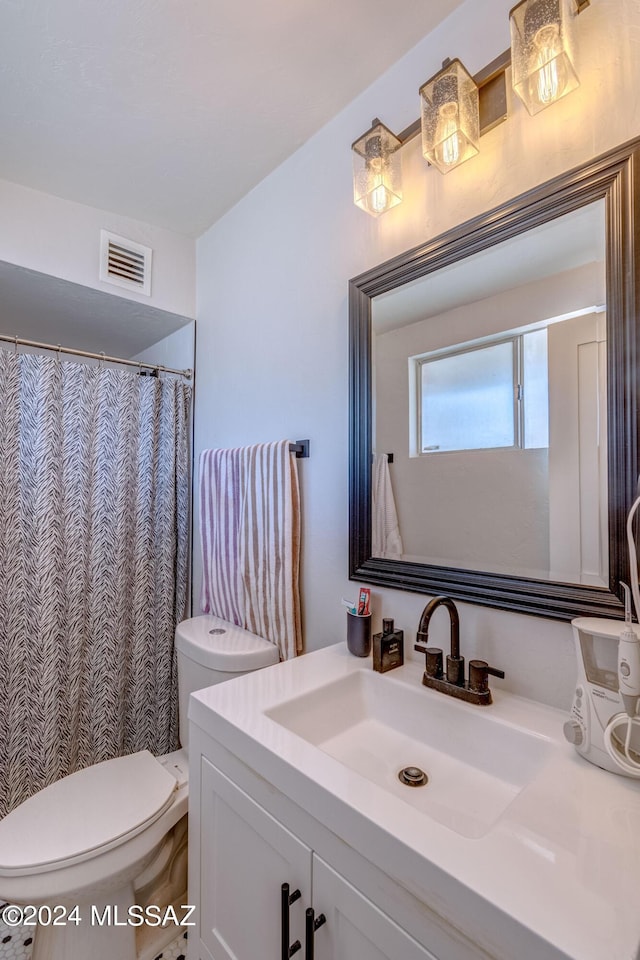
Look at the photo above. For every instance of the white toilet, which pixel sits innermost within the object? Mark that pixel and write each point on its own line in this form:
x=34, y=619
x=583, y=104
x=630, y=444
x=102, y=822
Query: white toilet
x=114, y=834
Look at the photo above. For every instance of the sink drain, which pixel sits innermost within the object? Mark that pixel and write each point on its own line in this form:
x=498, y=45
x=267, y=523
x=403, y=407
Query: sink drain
x=413, y=777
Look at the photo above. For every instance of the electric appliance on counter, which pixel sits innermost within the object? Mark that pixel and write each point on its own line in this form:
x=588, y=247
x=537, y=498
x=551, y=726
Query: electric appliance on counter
x=604, y=725
x=597, y=699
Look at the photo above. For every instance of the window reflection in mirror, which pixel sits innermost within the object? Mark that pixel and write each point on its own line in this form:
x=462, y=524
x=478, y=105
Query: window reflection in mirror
x=489, y=381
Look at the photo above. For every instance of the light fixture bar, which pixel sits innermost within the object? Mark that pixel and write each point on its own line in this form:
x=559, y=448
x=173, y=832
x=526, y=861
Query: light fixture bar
x=492, y=92
x=409, y=132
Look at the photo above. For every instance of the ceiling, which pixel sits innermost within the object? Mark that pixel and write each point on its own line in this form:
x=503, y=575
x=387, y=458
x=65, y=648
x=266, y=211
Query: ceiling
x=169, y=111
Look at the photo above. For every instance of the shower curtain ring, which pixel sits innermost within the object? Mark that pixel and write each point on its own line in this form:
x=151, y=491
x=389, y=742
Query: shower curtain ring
x=15, y=344
x=101, y=364
x=58, y=353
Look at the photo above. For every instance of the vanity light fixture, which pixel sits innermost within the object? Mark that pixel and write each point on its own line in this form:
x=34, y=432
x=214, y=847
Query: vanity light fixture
x=450, y=117
x=376, y=170
x=376, y=159
x=542, y=41
x=457, y=109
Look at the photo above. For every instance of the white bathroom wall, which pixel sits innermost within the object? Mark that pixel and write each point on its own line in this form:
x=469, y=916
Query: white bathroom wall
x=62, y=239
x=272, y=352
x=176, y=350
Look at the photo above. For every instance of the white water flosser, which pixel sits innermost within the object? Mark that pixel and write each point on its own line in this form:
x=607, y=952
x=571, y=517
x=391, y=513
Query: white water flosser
x=628, y=670
x=629, y=646
x=629, y=660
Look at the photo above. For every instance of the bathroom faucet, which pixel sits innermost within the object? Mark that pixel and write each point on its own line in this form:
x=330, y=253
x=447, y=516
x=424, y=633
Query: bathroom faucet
x=453, y=683
x=455, y=663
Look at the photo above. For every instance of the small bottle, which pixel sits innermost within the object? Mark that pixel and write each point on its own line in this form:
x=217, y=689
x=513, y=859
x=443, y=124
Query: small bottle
x=388, y=647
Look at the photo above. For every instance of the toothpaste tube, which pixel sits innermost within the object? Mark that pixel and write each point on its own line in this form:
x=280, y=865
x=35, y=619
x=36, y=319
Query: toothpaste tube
x=364, y=598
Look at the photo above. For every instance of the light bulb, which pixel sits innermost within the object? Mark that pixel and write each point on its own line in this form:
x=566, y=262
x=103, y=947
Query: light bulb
x=447, y=138
x=550, y=74
x=378, y=197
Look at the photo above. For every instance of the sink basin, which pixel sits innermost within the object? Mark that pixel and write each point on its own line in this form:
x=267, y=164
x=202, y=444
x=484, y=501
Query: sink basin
x=476, y=764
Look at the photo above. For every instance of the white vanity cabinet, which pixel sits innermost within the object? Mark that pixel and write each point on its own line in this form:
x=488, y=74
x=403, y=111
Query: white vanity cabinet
x=245, y=855
x=294, y=780
x=355, y=928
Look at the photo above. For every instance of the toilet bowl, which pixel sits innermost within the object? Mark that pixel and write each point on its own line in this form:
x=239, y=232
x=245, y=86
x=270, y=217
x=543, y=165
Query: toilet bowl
x=114, y=834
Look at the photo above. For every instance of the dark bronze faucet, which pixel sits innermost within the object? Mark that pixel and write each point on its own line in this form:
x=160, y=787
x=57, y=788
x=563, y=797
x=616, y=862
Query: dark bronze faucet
x=453, y=682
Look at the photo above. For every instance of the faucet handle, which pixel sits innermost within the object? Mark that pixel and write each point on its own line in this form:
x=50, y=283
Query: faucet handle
x=434, y=660
x=479, y=671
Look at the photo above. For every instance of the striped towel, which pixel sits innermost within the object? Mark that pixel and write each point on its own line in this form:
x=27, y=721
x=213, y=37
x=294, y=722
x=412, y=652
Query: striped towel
x=250, y=535
x=385, y=530
x=221, y=495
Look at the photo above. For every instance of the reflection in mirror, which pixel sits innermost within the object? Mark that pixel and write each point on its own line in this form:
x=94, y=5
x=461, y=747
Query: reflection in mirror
x=489, y=389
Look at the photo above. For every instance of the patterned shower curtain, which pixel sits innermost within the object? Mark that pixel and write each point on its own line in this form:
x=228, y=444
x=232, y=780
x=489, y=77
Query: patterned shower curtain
x=94, y=515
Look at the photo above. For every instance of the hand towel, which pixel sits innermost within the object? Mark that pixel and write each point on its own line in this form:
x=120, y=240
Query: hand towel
x=385, y=530
x=250, y=533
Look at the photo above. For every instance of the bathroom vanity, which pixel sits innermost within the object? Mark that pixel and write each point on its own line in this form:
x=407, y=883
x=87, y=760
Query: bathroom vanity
x=515, y=846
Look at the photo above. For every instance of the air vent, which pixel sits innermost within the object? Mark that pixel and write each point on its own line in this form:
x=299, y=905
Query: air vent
x=125, y=263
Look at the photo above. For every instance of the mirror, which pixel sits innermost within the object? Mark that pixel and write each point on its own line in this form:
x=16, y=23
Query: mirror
x=494, y=367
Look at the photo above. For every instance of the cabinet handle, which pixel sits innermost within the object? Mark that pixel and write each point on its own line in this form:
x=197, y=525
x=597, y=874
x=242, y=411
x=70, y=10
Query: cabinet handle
x=286, y=899
x=312, y=923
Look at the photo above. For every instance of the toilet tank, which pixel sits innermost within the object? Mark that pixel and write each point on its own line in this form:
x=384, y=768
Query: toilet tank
x=210, y=650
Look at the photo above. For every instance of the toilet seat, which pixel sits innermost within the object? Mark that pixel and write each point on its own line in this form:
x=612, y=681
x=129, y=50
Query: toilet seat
x=88, y=812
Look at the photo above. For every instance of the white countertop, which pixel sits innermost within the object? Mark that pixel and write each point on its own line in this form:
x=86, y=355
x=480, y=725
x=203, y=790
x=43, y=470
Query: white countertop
x=562, y=860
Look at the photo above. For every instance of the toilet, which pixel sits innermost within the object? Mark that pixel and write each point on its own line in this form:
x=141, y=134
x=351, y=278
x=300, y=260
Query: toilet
x=115, y=834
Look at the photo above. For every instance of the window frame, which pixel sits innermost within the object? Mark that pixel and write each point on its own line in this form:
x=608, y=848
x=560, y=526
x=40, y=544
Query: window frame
x=418, y=361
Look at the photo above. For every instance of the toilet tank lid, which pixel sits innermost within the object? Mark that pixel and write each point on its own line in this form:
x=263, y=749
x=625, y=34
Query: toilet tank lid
x=219, y=645
x=95, y=808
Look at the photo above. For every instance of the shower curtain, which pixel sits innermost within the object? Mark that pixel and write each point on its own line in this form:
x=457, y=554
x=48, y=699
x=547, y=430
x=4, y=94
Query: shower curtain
x=94, y=517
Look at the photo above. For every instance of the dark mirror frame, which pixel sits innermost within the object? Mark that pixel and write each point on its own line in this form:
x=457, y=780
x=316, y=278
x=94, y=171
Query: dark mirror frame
x=614, y=177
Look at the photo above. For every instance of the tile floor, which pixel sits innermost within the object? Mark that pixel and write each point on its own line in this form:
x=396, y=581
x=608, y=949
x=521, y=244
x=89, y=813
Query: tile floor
x=16, y=943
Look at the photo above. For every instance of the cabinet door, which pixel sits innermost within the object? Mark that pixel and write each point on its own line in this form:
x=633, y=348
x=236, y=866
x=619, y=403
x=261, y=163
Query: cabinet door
x=246, y=857
x=356, y=929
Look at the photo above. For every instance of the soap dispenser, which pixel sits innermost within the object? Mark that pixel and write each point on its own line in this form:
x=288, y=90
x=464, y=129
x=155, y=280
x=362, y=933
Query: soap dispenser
x=388, y=647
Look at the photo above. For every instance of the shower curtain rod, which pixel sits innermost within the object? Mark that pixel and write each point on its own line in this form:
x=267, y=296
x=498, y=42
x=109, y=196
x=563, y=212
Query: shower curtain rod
x=94, y=356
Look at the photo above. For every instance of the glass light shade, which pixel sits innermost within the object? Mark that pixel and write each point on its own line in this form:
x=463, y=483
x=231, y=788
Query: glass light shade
x=542, y=51
x=450, y=117
x=376, y=170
